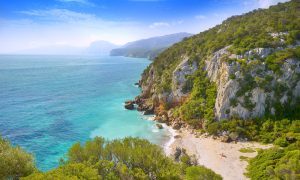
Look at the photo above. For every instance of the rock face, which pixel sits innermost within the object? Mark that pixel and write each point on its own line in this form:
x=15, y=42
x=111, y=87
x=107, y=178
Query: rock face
x=236, y=94
x=227, y=89
x=179, y=75
x=228, y=71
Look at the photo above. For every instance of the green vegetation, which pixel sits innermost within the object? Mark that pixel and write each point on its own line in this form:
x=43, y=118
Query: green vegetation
x=247, y=150
x=128, y=158
x=276, y=163
x=276, y=27
x=265, y=131
x=244, y=158
x=200, y=172
x=148, y=48
x=14, y=161
x=200, y=104
x=275, y=60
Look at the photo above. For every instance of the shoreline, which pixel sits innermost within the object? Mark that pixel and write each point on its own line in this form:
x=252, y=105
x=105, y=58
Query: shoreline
x=167, y=147
x=223, y=158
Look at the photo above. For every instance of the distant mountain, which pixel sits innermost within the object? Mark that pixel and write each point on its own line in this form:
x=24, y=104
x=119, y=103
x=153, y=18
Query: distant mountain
x=149, y=48
x=100, y=48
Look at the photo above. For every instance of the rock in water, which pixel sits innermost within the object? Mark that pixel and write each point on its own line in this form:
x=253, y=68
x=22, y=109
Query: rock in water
x=159, y=126
x=129, y=105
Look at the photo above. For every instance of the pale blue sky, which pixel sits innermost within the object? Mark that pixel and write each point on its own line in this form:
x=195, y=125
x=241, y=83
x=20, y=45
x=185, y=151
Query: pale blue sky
x=37, y=23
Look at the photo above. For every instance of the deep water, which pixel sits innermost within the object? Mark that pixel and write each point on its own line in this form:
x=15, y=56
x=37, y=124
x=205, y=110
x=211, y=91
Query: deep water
x=47, y=103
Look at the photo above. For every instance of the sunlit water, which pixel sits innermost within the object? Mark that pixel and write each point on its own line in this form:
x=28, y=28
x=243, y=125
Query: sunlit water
x=47, y=103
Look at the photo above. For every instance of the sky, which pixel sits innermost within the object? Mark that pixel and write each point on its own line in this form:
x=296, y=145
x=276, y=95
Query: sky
x=45, y=23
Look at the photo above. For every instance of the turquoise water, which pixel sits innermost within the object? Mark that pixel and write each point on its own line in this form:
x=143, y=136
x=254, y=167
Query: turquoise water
x=47, y=103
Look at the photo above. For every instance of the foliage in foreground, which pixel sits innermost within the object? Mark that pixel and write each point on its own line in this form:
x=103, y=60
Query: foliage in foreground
x=14, y=161
x=128, y=158
x=276, y=163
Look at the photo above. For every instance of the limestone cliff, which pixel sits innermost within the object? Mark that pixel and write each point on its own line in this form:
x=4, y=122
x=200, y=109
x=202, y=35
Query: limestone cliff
x=259, y=96
x=229, y=78
x=254, y=65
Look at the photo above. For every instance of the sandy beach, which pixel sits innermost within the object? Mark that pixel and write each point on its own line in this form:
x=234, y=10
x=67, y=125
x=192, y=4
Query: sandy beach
x=223, y=158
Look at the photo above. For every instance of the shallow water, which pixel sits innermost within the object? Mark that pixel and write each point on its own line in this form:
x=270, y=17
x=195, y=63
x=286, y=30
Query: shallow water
x=47, y=103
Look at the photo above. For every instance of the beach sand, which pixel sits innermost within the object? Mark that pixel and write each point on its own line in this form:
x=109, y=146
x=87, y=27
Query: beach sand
x=222, y=158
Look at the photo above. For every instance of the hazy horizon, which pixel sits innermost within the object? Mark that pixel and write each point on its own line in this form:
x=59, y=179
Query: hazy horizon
x=34, y=24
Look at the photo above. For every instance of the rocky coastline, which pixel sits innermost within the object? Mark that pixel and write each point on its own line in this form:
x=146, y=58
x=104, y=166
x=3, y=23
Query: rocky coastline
x=219, y=153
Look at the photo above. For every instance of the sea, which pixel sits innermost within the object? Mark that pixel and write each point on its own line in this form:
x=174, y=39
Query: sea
x=48, y=103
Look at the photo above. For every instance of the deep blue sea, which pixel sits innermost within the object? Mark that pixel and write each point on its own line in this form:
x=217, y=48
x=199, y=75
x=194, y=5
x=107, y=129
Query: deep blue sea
x=47, y=103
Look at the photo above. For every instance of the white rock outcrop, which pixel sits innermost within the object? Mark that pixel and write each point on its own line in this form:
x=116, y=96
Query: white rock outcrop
x=179, y=77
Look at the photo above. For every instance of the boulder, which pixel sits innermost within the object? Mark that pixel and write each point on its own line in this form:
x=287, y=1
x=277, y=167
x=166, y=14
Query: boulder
x=176, y=126
x=225, y=139
x=159, y=126
x=177, y=136
x=129, y=105
x=177, y=153
x=233, y=136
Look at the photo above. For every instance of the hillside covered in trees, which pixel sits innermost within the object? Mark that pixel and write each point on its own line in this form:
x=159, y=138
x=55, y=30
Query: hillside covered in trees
x=148, y=48
x=239, y=79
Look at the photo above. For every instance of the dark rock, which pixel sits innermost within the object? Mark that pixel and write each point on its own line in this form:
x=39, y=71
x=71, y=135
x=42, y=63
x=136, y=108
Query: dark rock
x=159, y=126
x=176, y=126
x=291, y=139
x=177, y=136
x=234, y=136
x=149, y=111
x=225, y=139
x=129, y=105
x=177, y=153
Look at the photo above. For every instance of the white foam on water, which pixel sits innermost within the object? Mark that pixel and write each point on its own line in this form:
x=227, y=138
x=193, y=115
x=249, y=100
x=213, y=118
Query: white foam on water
x=171, y=133
x=167, y=145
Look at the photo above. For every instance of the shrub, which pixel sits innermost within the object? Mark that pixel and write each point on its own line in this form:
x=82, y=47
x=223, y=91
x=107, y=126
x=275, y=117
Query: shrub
x=14, y=161
x=247, y=150
x=199, y=172
x=128, y=158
